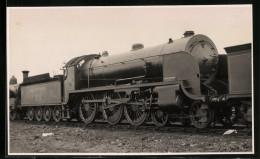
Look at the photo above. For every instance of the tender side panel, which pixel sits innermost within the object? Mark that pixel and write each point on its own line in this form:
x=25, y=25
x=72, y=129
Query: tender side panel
x=48, y=93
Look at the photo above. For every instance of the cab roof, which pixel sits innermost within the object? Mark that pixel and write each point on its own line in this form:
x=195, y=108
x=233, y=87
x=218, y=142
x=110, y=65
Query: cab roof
x=76, y=60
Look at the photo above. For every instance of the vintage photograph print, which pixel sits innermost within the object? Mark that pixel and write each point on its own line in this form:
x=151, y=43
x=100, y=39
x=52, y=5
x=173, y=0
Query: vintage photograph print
x=130, y=80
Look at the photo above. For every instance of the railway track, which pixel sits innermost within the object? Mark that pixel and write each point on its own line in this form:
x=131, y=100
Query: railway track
x=101, y=125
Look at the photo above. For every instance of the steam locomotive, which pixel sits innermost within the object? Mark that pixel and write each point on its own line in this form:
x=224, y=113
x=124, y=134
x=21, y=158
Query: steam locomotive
x=184, y=80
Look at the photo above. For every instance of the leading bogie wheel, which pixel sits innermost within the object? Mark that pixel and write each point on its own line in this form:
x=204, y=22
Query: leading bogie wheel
x=113, y=115
x=159, y=117
x=57, y=113
x=201, y=115
x=30, y=113
x=87, y=111
x=47, y=113
x=38, y=113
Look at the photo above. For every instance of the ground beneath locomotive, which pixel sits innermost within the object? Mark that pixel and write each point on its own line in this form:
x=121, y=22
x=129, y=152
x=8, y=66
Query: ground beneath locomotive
x=27, y=138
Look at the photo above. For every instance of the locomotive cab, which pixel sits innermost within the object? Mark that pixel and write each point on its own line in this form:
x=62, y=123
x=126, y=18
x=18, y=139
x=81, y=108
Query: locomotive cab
x=72, y=79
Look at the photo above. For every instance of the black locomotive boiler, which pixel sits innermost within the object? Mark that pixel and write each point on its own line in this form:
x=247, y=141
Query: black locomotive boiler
x=182, y=80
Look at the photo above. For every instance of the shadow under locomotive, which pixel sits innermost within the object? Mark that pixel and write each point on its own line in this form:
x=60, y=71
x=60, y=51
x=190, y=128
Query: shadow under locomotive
x=183, y=80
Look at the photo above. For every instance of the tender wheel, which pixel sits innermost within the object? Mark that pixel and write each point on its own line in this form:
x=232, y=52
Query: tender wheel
x=38, y=113
x=159, y=117
x=56, y=114
x=30, y=113
x=201, y=115
x=47, y=113
x=112, y=115
x=87, y=111
x=134, y=113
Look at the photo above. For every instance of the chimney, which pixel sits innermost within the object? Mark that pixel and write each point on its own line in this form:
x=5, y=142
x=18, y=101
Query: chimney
x=25, y=74
x=188, y=33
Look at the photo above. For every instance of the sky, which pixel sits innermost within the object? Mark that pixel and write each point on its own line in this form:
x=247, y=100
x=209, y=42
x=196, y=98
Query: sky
x=42, y=39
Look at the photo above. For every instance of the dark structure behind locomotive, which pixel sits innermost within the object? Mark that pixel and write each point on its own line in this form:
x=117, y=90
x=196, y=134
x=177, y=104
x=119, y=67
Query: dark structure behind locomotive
x=234, y=72
x=13, y=81
x=12, y=87
x=13, y=92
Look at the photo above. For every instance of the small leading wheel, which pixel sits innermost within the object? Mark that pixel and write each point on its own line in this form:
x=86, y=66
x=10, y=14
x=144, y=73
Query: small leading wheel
x=87, y=111
x=47, y=113
x=57, y=113
x=38, y=113
x=201, y=115
x=112, y=115
x=159, y=117
x=30, y=113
